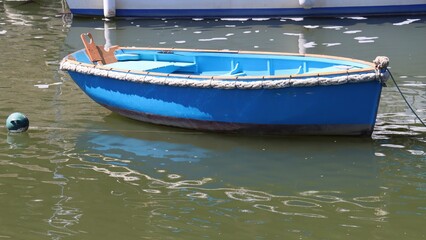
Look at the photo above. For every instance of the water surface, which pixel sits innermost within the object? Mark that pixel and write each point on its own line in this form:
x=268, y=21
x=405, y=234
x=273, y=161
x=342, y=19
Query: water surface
x=82, y=172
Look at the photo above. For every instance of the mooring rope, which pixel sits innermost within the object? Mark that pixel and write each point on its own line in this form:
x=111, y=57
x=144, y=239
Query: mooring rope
x=405, y=99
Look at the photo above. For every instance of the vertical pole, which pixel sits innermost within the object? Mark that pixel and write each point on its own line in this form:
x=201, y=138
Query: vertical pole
x=109, y=8
x=307, y=4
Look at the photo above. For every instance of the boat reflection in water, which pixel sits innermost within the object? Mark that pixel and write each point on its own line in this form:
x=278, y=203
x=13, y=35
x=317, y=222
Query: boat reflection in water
x=232, y=159
x=331, y=173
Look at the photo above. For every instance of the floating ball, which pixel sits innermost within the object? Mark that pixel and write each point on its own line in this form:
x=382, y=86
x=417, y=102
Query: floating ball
x=17, y=122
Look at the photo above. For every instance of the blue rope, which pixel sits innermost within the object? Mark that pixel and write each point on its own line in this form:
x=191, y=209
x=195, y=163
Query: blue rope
x=408, y=104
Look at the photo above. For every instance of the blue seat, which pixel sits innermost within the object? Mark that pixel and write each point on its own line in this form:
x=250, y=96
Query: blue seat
x=150, y=66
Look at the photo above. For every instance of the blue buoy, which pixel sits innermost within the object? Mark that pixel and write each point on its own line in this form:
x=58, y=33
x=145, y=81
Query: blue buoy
x=17, y=122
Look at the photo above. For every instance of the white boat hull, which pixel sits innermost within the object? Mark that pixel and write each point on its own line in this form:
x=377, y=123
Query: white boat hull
x=244, y=8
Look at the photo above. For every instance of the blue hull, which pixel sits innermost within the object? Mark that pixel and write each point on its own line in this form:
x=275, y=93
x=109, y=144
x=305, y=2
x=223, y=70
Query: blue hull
x=346, y=109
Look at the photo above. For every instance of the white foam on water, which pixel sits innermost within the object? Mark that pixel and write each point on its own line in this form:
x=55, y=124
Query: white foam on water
x=55, y=62
x=247, y=196
x=293, y=19
x=293, y=34
x=235, y=19
x=3, y=32
x=349, y=226
x=197, y=19
x=246, y=211
x=181, y=41
x=101, y=28
x=44, y=86
x=357, y=18
x=352, y=31
x=333, y=27
x=301, y=203
x=366, y=41
x=392, y=145
x=331, y=44
x=414, y=84
x=311, y=26
x=367, y=199
x=417, y=152
x=230, y=26
x=309, y=45
x=247, y=32
x=162, y=43
x=197, y=195
x=378, y=154
x=198, y=32
x=174, y=176
x=406, y=22
x=260, y=19
x=151, y=190
x=212, y=39
x=229, y=34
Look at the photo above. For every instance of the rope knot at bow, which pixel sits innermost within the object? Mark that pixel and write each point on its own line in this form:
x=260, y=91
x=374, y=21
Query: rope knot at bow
x=382, y=63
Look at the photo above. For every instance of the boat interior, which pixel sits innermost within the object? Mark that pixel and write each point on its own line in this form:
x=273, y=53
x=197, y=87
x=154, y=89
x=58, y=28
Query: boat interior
x=211, y=62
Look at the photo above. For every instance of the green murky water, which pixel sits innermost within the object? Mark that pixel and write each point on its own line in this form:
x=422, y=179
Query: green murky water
x=82, y=172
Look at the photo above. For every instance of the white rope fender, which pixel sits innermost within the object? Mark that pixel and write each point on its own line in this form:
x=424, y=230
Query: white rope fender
x=382, y=63
x=163, y=79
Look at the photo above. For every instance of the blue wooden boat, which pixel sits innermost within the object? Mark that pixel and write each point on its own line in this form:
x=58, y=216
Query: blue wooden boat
x=235, y=91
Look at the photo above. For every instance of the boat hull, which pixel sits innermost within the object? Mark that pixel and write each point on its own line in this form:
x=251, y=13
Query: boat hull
x=243, y=8
x=345, y=109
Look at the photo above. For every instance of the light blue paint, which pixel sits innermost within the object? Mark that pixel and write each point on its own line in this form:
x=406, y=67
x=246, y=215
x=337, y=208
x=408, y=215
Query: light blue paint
x=223, y=64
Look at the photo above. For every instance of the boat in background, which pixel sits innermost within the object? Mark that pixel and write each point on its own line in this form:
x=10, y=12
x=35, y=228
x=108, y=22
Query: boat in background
x=242, y=8
x=232, y=91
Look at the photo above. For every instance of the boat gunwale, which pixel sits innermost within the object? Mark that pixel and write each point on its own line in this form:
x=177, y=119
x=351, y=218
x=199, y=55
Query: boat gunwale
x=71, y=59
